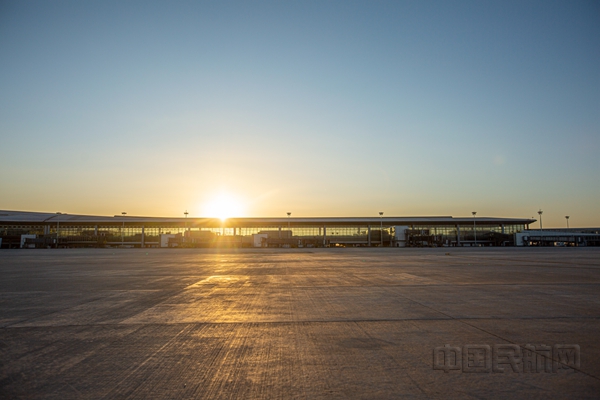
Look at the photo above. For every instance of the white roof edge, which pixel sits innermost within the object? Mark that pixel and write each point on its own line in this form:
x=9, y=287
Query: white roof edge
x=41, y=217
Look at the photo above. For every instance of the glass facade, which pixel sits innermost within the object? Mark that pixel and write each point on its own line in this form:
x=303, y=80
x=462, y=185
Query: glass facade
x=283, y=233
x=466, y=234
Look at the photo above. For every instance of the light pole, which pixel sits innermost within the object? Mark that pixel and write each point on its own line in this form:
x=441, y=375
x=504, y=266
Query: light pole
x=289, y=214
x=123, y=231
x=474, y=230
x=186, y=227
x=57, y=227
x=381, y=227
x=540, y=212
x=567, y=218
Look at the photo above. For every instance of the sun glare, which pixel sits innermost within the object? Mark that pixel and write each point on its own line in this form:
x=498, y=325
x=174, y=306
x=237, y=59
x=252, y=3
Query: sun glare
x=223, y=206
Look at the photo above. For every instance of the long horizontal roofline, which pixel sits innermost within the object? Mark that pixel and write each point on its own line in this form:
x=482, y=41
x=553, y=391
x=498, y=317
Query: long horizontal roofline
x=27, y=217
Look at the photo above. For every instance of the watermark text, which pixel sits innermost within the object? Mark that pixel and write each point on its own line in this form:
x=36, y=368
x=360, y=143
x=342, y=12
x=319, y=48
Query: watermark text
x=500, y=358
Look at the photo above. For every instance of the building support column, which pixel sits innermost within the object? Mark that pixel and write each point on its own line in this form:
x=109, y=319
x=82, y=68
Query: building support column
x=143, y=236
x=324, y=235
x=369, y=234
x=458, y=235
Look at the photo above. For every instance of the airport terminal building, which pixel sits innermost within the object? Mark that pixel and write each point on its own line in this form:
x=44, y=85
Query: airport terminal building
x=42, y=230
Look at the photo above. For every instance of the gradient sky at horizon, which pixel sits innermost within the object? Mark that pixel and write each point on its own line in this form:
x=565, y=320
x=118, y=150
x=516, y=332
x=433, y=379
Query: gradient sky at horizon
x=321, y=108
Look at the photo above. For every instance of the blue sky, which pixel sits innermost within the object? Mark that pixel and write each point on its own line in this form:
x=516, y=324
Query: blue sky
x=318, y=108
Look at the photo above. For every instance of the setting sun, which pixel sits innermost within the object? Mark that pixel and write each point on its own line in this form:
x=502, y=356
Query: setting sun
x=223, y=206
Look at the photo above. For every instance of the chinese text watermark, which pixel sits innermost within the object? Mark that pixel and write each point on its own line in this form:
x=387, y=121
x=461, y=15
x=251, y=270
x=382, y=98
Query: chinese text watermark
x=500, y=358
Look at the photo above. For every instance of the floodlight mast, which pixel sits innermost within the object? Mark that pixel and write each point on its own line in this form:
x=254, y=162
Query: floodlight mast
x=381, y=227
x=123, y=231
x=474, y=230
x=57, y=227
x=187, y=229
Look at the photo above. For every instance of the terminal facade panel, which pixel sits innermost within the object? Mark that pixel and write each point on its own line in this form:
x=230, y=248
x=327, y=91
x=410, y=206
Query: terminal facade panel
x=51, y=230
